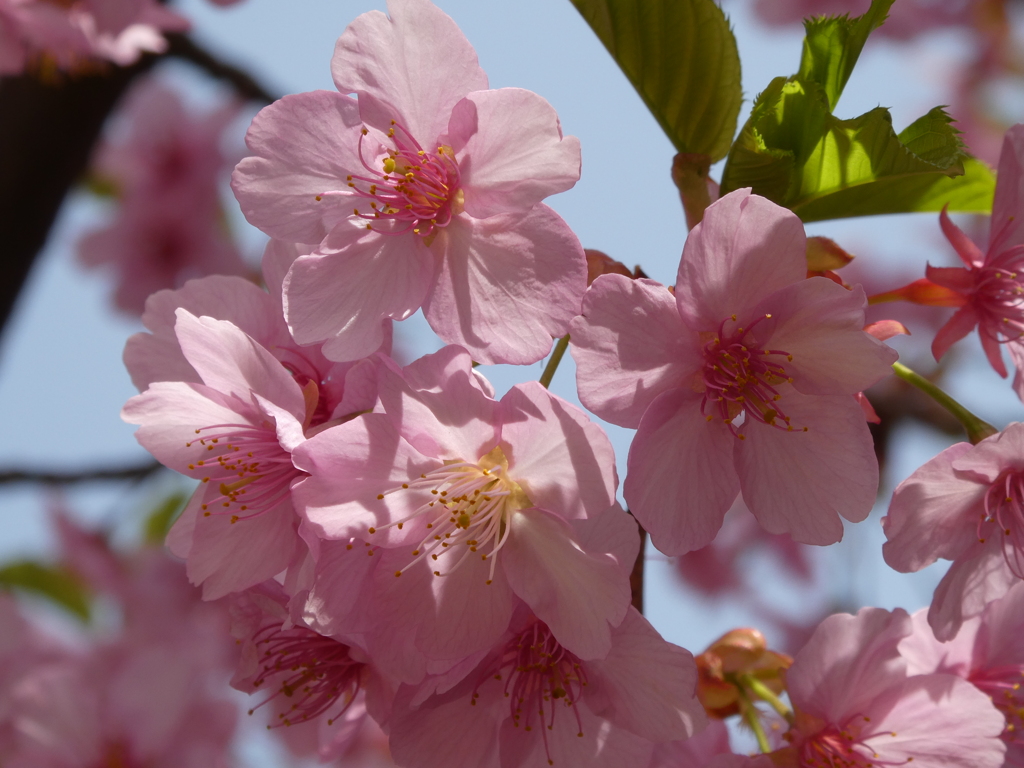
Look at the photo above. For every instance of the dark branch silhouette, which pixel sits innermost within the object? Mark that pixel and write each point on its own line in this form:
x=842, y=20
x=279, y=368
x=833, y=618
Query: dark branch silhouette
x=138, y=472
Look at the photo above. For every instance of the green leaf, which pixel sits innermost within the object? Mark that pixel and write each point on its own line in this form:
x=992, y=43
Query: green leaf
x=832, y=45
x=160, y=520
x=681, y=57
x=55, y=583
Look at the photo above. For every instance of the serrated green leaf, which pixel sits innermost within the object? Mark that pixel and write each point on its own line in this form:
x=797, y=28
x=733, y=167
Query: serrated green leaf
x=681, y=57
x=832, y=45
x=162, y=517
x=56, y=584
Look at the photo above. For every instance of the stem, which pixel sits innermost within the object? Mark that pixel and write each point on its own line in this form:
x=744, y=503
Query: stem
x=750, y=718
x=690, y=174
x=245, y=85
x=766, y=694
x=977, y=429
x=556, y=358
x=49, y=477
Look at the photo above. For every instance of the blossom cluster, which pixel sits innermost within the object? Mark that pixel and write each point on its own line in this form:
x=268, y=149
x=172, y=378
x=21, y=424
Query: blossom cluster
x=398, y=543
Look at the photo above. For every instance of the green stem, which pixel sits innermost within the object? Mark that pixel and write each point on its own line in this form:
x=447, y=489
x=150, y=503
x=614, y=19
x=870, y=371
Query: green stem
x=556, y=358
x=766, y=694
x=977, y=429
x=750, y=717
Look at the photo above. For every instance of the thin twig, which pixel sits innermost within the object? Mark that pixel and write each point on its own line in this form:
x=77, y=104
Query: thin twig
x=139, y=472
x=184, y=48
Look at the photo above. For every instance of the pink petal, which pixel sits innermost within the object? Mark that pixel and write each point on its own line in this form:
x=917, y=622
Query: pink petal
x=954, y=278
x=870, y=415
x=230, y=361
x=510, y=151
x=414, y=66
x=1007, y=219
x=456, y=422
x=228, y=557
x=562, y=459
x=630, y=346
x=886, y=329
x=507, y=285
x=800, y=483
x=992, y=456
x=959, y=325
x=925, y=655
x=1016, y=350
x=977, y=577
x=343, y=573
x=278, y=257
x=450, y=616
x=848, y=661
x=350, y=465
x=938, y=721
x=1002, y=620
x=821, y=325
x=304, y=145
x=932, y=514
x=545, y=567
x=745, y=249
x=648, y=685
x=993, y=349
x=614, y=531
x=340, y=294
x=697, y=751
x=681, y=479
x=965, y=248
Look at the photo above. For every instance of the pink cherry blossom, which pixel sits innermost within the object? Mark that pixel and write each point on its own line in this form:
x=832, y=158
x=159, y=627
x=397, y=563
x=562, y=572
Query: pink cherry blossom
x=988, y=651
x=965, y=505
x=166, y=166
x=235, y=431
x=532, y=702
x=743, y=380
x=467, y=503
x=424, y=191
x=856, y=706
x=29, y=28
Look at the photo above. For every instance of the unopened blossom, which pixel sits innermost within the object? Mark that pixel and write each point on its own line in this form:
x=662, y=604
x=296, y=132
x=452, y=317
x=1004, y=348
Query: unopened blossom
x=742, y=380
x=988, y=651
x=423, y=191
x=988, y=290
x=965, y=505
x=165, y=165
x=468, y=503
x=532, y=703
x=725, y=665
x=856, y=706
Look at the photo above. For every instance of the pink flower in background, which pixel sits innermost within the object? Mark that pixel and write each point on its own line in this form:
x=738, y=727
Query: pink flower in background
x=28, y=28
x=166, y=166
x=743, y=380
x=965, y=505
x=856, y=706
x=469, y=503
x=907, y=18
x=533, y=702
x=988, y=651
x=423, y=191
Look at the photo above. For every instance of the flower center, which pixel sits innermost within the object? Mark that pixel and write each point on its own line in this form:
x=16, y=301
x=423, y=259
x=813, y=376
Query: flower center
x=740, y=376
x=1004, y=514
x=411, y=185
x=254, y=472
x=539, y=675
x=311, y=670
x=1003, y=685
x=845, y=748
x=467, y=507
x=999, y=298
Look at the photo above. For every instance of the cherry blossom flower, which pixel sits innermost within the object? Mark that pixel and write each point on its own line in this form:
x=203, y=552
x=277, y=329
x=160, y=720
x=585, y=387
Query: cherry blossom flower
x=743, y=380
x=907, y=19
x=165, y=165
x=533, y=702
x=965, y=505
x=423, y=191
x=468, y=502
x=988, y=651
x=856, y=705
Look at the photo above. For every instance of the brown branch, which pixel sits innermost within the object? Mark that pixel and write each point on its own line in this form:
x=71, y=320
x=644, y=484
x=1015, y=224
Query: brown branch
x=139, y=472
x=245, y=85
x=636, y=577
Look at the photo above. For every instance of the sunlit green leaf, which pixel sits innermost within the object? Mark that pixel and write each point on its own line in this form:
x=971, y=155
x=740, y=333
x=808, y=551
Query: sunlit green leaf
x=56, y=584
x=833, y=44
x=681, y=57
